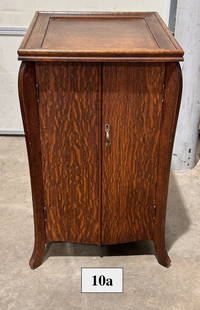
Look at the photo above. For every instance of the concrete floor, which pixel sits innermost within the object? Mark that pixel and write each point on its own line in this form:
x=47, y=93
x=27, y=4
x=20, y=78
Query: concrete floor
x=56, y=284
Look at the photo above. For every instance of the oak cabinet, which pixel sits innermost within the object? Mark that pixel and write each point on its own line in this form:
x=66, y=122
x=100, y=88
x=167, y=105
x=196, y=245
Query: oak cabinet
x=99, y=95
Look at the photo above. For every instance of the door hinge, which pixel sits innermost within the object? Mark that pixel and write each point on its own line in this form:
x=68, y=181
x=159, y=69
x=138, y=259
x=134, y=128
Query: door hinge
x=45, y=214
x=37, y=93
x=154, y=212
x=163, y=92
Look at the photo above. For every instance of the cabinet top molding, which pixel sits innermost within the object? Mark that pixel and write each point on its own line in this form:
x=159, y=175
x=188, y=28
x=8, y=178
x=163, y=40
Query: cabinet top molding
x=99, y=36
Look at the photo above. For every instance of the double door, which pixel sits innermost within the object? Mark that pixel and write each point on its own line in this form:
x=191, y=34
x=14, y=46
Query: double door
x=99, y=131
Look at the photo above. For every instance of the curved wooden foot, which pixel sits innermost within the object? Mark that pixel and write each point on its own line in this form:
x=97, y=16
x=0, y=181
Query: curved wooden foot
x=161, y=253
x=37, y=256
x=164, y=260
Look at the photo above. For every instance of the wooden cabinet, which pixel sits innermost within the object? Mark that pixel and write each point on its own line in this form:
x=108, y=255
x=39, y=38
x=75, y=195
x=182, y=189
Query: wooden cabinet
x=99, y=95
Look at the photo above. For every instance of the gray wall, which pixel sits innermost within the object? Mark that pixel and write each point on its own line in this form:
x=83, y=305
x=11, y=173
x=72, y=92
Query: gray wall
x=188, y=34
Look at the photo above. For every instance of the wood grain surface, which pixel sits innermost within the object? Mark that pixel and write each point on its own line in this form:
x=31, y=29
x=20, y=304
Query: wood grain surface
x=171, y=105
x=69, y=110
x=99, y=34
x=29, y=110
x=88, y=70
x=132, y=106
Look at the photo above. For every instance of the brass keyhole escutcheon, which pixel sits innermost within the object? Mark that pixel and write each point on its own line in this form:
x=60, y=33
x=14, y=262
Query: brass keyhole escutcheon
x=107, y=132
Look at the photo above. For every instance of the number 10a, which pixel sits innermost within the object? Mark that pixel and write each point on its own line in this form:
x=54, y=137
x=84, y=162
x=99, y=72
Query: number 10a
x=102, y=280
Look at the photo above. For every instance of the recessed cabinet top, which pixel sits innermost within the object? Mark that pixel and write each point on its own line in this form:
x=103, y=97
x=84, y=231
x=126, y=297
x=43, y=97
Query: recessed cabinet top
x=89, y=36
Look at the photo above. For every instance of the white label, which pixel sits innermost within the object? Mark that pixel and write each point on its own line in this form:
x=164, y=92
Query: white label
x=101, y=280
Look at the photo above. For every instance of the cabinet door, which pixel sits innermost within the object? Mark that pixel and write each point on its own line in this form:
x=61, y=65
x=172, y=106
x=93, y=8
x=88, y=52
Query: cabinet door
x=132, y=104
x=69, y=111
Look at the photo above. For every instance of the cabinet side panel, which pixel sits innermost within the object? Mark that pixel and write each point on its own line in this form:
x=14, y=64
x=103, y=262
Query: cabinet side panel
x=70, y=120
x=132, y=106
x=30, y=116
x=171, y=105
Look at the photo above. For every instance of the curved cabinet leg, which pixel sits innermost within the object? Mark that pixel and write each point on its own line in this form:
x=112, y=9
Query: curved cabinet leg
x=30, y=116
x=37, y=255
x=160, y=249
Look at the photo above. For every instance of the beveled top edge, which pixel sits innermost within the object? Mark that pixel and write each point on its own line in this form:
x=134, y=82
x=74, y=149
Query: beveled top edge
x=177, y=52
x=95, y=12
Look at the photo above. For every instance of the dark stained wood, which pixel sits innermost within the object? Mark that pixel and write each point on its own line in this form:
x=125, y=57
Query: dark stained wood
x=40, y=28
x=100, y=59
x=69, y=110
x=134, y=36
x=169, y=34
x=29, y=110
x=161, y=34
x=88, y=70
x=171, y=104
x=132, y=105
